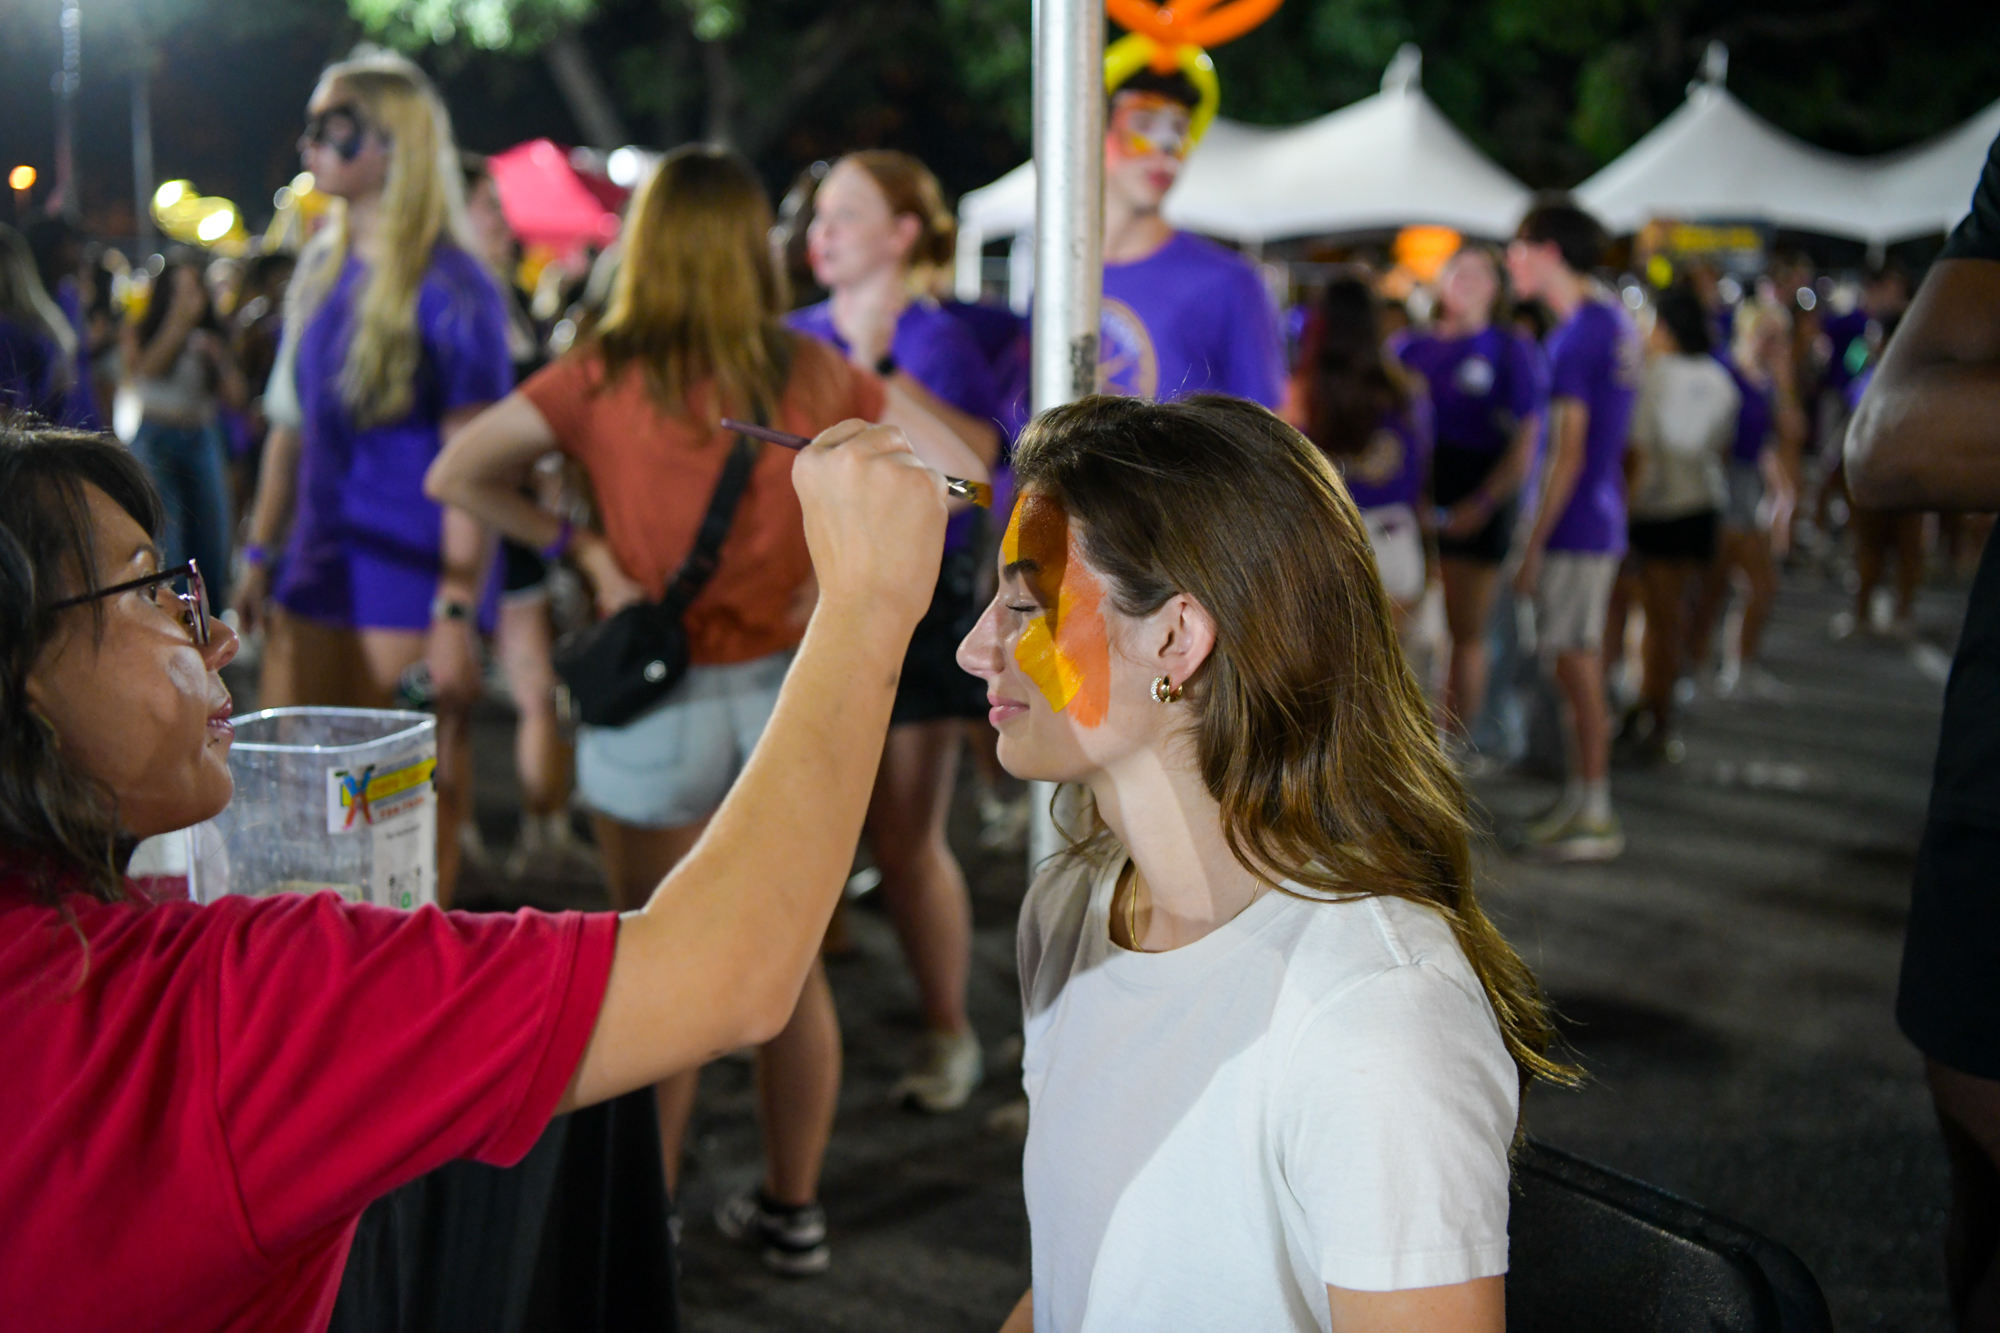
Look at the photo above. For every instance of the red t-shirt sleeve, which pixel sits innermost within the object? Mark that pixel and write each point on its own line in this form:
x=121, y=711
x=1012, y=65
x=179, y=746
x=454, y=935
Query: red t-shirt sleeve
x=867, y=392
x=562, y=391
x=358, y=1048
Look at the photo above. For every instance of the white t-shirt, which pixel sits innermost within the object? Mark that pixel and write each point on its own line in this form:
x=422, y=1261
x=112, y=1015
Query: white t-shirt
x=1315, y=1094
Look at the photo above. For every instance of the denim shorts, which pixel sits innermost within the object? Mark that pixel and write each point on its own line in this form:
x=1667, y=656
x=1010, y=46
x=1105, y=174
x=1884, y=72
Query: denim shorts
x=673, y=764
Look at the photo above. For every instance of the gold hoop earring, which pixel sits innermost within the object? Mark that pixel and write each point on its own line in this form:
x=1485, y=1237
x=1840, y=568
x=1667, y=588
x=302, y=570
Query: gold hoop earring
x=1165, y=691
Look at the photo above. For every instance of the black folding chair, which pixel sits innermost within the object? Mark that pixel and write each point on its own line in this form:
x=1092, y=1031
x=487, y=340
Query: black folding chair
x=1596, y=1252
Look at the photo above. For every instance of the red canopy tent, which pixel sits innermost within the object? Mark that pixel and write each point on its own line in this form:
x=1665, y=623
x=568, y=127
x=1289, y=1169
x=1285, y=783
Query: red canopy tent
x=548, y=201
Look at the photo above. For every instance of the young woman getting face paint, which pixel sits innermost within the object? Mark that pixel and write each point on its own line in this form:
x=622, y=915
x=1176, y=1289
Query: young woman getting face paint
x=1273, y=1047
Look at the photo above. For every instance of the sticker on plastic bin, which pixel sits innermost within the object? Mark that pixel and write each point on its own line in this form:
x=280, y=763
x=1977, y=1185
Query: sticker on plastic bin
x=405, y=854
x=359, y=800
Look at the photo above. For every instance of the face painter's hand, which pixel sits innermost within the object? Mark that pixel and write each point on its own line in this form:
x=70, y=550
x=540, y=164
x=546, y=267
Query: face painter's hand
x=874, y=518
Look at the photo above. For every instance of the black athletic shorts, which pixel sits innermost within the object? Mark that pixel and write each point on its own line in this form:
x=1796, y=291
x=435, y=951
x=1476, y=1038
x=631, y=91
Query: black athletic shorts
x=1948, y=1003
x=1690, y=537
x=933, y=686
x=1457, y=472
x=521, y=570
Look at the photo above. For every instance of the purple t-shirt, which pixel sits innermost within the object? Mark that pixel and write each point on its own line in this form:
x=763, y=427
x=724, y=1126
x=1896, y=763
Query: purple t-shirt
x=1842, y=332
x=1595, y=357
x=366, y=542
x=1753, y=417
x=34, y=377
x=1392, y=468
x=1192, y=317
x=1481, y=387
x=940, y=352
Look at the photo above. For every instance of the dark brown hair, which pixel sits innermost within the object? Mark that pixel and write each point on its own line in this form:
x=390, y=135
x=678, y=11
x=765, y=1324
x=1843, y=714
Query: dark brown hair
x=1350, y=385
x=1310, y=730
x=1555, y=219
x=57, y=824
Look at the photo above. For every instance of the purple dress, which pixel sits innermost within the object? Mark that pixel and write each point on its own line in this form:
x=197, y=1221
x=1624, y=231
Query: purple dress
x=366, y=543
x=1595, y=357
x=938, y=350
x=1192, y=317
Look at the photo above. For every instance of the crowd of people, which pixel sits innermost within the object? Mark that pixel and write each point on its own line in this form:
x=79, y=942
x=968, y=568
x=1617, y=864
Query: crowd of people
x=382, y=463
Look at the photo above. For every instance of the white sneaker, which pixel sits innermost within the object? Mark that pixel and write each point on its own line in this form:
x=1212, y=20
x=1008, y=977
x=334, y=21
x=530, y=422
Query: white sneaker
x=1581, y=839
x=947, y=1072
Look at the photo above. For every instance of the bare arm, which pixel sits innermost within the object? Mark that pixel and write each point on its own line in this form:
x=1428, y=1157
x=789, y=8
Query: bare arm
x=1502, y=484
x=1022, y=1319
x=935, y=442
x=1479, y=1306
x=1927, y=433
x=1568, y=420
x=466, y=550
x=980, y=436
x=716, y=959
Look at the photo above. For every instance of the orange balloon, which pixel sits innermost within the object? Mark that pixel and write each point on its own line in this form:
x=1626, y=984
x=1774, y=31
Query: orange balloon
x=1191, y=22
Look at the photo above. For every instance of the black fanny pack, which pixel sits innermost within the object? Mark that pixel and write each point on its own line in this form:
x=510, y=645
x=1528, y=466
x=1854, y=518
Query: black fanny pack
x=621, y=666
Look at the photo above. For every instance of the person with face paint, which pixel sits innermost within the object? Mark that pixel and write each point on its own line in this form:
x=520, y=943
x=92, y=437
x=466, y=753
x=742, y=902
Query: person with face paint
x=1488, y=388
x=1374, y=421
x=694, y=334
x=879, y=240
x=398, y=337
x=1274, y=1049
x=202, y=1099
x=1181, y=315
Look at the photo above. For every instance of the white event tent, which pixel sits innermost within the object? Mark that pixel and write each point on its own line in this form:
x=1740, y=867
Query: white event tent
x=1715, y=159
x=1386, y=161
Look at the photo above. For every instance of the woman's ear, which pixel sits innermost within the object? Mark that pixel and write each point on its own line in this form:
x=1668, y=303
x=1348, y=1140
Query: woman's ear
x=908, y=228
x=1183, y=637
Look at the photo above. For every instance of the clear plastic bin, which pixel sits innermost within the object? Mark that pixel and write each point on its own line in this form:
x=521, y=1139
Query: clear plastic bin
x=336, y=799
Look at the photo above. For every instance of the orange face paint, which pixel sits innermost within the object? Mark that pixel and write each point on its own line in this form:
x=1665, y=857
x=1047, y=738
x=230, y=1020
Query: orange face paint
x=1065, y=650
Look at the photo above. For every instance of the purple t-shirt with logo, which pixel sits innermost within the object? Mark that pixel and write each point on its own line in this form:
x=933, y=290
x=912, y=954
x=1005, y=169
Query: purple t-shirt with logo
x=939, y=351
x=1481, y=387
x=366, y=542
x=1595, y=357
x=1753, y=417
x=1392, y=467
x=1192, y=317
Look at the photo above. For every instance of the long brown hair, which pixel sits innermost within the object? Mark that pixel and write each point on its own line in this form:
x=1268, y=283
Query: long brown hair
x=698, y=296
x=1310, y=730
x=1350, y=384
x=910, y=188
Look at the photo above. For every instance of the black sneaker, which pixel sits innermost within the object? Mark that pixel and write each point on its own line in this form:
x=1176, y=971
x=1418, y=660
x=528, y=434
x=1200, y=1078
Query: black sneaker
x=793, y=1239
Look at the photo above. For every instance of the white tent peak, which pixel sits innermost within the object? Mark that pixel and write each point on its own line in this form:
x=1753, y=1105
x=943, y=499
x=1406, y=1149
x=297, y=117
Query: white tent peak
x=1405, y=73
x=1714, y=68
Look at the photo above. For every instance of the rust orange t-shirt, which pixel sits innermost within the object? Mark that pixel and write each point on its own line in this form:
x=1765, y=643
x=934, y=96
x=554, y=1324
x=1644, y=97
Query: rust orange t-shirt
x=654, y=473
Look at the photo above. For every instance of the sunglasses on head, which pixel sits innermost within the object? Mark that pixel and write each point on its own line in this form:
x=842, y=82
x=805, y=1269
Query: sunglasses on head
x=341, y=128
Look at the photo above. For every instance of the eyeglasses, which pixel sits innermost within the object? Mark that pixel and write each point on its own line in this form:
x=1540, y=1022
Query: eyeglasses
x=341, y=128
x=190, y=604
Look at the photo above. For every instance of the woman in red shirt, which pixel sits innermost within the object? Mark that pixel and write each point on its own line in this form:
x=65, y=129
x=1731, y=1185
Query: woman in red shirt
x=202, y=1099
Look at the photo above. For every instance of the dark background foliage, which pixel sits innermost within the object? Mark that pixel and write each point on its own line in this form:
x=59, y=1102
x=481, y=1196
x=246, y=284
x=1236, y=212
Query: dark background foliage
x=1552, y=88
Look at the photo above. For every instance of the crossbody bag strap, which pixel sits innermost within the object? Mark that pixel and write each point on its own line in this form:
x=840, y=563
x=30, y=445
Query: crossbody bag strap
x=699, y=567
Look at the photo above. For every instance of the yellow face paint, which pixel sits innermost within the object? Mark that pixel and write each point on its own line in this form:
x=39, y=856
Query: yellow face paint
x=1064, y=651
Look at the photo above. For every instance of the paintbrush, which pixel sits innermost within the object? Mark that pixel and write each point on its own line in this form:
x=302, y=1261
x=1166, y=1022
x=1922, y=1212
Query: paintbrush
x=978, y=492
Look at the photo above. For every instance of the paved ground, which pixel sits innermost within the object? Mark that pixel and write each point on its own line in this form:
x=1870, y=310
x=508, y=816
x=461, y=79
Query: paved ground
x=1729, y=985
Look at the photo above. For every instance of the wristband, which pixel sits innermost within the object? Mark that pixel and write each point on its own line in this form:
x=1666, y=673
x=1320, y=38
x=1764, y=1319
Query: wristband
x=558, y=548
x=449, y=608
x=254, y=555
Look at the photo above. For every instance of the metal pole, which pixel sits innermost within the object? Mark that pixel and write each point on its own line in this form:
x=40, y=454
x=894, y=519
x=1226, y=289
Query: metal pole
x=142, y=146
x=67, y=80
x=1069, y=240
